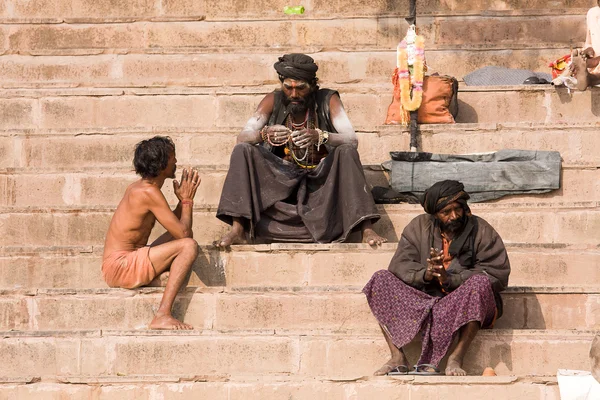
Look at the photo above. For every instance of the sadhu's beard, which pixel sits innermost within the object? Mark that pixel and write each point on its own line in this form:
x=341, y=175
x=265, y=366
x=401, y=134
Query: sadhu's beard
x=300, y=105
x=454, y=227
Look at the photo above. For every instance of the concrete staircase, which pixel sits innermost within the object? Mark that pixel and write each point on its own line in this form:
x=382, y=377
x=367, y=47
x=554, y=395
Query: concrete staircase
x=82, y=82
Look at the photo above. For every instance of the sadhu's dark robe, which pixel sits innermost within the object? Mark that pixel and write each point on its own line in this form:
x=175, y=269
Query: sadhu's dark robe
x=404, y=303
x=284, y=202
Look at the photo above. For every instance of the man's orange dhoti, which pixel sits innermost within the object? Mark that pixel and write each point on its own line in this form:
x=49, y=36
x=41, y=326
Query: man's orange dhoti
x=128, y=269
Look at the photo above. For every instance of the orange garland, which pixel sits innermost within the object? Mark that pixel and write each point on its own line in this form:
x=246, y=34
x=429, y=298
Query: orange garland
x=410, y=102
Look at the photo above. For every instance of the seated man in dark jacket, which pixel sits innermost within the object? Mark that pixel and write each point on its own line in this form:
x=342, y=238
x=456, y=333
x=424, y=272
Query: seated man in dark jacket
x=440, y=292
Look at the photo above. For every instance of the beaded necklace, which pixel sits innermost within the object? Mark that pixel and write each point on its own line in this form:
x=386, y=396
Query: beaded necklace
x=292, y=126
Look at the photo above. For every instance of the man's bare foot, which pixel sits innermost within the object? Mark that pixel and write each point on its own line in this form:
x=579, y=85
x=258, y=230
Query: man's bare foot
x=167, y=322
x=454, y=368
x=393, y=362
x=372, y=238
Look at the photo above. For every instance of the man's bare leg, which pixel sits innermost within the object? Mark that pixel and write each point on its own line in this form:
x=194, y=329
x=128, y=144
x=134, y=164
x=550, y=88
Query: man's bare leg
x=369, y=235
x=580, y=71
x=466, y=335
x=397, y=357
x=177, y=256
x=235, y=235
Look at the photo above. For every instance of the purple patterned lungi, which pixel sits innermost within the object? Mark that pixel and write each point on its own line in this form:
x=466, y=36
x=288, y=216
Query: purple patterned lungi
x=403, y=311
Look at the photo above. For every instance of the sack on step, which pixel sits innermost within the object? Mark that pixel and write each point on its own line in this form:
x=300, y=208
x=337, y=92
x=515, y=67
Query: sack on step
x=439, y=104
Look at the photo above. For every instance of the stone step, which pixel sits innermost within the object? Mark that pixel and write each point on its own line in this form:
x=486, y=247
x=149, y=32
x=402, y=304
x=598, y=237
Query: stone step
x=265, y=387
x=287, y=266
x=534, y=223
x=230, y=108
x=343, y=311
x=80, y=150
x=303, y=34
x=235, y=69
x=125, y=353
x=14, y=11
x=106, y=188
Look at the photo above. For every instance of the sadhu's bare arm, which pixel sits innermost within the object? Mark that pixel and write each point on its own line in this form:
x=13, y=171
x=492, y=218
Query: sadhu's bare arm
x=341, y=123
x=251, y=132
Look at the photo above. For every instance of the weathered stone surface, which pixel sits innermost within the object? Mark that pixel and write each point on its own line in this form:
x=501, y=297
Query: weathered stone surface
x=345, y=357
x=181, y=8
x=81, y=271
x=82, y=9
x=123, y=111
x=199, y=69
x=202, y=355
x=244, y=69
x=262, y=270
x=75, y=39
x=27, y=71
x=53, y=228
x=230, y=109
x=86, y=10
x=548, y=225
x=364, y=33
x=527, y=31
x=279, y=312
x=17, y=113
x=276, y=389
x=178, y=35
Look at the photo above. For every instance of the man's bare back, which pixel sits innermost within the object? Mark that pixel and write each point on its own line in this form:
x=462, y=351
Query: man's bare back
x=132, y=222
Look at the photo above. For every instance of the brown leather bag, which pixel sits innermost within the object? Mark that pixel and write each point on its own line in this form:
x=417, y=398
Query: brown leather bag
x=439, y=104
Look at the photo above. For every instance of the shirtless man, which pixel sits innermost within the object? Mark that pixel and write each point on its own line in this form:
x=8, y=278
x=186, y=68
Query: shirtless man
x=128, y=261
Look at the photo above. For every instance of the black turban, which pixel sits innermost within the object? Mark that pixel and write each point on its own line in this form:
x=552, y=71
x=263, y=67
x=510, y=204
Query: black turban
x=297, y=66
x=442, y=193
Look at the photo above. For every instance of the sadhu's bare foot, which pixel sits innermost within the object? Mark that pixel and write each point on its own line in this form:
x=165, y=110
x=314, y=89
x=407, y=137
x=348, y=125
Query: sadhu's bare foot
x=233, y=237
x=454, y=368
x=167, y=322
x=372, y=238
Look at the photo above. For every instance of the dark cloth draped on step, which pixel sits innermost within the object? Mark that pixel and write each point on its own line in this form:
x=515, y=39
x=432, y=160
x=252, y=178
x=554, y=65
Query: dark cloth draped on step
x=283, y=202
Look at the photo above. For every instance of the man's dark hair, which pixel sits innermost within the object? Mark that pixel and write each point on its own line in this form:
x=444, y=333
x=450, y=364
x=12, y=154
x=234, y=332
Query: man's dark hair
x=152, y=156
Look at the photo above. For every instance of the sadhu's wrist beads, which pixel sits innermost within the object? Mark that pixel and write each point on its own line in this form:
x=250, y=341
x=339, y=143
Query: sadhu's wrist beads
x=323, y=138
x=263, y=134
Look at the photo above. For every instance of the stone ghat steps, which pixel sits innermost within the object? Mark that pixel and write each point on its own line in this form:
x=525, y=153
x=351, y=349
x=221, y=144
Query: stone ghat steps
x=262, y=387
x=331, y=311
x=534, y=223
x=105, y=188
x=248, y=69
x=290, y=267
x=74, y=150
x=230, y=108
x=109, y=353
x=14, y=11
x=304, y=34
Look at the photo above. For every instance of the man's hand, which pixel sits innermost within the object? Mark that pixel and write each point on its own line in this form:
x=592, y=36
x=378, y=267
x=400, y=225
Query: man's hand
x=190, y=180
x=278, y=134
x=440, y=273
x=305, y=137
x=434, y=260
x=588, y=53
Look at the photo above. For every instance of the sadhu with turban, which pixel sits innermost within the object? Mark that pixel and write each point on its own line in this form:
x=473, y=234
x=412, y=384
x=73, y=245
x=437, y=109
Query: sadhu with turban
x=295, y=174
x=444, y=280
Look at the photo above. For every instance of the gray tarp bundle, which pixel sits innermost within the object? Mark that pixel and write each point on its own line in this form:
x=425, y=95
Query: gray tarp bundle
x=485, y=176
